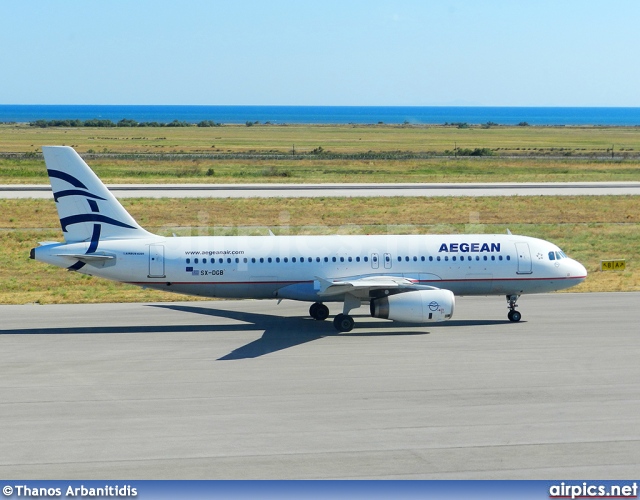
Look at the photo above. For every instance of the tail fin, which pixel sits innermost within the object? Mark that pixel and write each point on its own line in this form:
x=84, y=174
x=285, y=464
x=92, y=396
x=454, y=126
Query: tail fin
x=87, y=210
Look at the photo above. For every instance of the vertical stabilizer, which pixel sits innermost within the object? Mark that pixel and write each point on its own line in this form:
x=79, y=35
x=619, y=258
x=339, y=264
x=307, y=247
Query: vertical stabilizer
x=87, y=210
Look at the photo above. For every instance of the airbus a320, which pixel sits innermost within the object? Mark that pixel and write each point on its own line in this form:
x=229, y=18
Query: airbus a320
x=410, y=278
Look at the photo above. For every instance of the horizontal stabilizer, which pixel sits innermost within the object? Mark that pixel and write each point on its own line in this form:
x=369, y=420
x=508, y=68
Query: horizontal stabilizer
x=86, y=257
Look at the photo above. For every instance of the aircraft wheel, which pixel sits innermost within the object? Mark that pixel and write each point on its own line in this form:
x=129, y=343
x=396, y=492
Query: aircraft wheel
x=319, y=311
x=514, y=316
x=343, y=323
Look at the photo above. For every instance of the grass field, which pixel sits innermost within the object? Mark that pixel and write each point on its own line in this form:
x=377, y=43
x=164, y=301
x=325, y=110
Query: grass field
x=240, y=154
x=586, y=228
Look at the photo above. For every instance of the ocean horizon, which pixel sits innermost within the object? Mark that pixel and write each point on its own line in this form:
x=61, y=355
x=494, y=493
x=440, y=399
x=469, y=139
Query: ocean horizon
x=419, y=115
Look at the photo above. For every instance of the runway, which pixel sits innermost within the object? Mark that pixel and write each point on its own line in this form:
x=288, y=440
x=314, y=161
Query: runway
x=342, y=190
x=248, y=389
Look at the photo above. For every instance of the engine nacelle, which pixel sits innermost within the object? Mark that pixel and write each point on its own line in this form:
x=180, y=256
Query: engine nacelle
x=421, y=306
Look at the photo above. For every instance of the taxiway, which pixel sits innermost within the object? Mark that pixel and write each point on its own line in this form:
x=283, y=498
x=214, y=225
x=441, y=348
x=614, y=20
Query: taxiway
x=342, y=190
x=248, y=389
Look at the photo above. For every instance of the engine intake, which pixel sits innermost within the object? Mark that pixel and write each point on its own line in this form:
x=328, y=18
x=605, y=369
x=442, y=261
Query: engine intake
x=421, y=306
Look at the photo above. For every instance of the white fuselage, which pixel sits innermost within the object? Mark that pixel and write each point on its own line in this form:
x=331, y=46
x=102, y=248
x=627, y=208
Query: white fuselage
x=290, y=266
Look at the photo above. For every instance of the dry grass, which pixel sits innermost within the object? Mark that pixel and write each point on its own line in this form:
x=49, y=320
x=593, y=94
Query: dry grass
x=587, y=228
x=562, y=143
x=332, y=138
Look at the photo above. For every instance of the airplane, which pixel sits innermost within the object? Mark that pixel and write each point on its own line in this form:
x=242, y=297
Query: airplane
x=406, y=278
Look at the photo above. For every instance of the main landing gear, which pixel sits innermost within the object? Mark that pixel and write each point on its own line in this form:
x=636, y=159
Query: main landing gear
x=513, y=315
x=342, y=322
x=319, y=311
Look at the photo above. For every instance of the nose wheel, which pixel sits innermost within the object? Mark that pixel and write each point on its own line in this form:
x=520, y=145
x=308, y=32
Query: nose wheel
x=513, y=315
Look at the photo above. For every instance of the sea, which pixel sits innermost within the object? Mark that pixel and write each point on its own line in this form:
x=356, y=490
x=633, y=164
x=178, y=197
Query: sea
x=436, y=115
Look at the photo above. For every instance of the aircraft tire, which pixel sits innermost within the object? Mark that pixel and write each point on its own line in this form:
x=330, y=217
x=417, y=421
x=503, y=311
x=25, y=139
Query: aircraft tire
x=514, y=316
x=343, y=323
x=319, y=311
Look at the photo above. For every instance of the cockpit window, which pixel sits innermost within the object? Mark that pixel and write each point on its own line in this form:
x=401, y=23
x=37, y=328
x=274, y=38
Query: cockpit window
x=552, y=256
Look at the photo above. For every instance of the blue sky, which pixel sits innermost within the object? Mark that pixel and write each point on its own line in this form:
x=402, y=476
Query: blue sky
x=346, y=52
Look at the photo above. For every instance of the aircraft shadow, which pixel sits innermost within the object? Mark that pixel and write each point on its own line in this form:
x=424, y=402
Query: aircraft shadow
x=279, y=332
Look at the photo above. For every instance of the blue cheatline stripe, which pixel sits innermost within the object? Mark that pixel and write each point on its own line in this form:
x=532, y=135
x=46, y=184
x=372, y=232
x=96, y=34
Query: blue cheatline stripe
x=66, y=177
x=77, y=219
x=95, y=238
x=75, y=192
x=93, y=205
x=76, y=266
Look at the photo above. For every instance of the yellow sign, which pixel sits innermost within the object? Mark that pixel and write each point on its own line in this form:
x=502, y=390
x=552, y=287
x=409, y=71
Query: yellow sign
x=612, y=265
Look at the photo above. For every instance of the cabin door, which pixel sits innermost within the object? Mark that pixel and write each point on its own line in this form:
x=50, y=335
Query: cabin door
x=524, y=258
x=156, y=261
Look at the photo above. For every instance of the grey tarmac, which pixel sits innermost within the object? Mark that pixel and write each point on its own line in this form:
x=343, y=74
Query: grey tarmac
x=342, y=190
x=248, y=389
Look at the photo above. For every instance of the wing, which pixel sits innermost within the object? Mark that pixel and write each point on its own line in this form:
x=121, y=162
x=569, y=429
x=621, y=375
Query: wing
x=360, y=287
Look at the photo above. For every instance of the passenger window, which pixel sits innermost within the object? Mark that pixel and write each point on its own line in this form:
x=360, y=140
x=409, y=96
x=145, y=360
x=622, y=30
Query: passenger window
x=493, y=257
x=446, y=257
x=188, y=261
x=438, y=258
x=286, y=259
x=500, y=257
x=261, y=260
x=477, y=257
x=349, y=259
x=195, y=261
x=399, y=259
x=508, y=257
x=269, y=260
x=366, y=259
x=485, y=257
x=430, y=258
x=253, y=260
x=317, y=259
x=357, y=259
x=453, y=258
x=220, y=260
x=333, y=259
x=278, y=260
x=341, y=259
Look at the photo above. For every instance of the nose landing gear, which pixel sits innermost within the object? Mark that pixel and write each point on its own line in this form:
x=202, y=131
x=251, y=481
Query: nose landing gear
x=513, y=315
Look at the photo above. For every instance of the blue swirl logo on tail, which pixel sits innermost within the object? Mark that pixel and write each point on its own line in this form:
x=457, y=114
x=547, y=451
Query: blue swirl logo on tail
x=93, y=216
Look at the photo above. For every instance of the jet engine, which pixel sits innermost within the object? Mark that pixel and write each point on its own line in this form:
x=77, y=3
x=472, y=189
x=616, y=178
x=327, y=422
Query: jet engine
x=421, y=306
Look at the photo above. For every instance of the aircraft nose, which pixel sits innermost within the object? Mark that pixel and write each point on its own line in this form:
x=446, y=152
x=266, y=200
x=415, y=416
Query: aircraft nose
x=578, y=270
